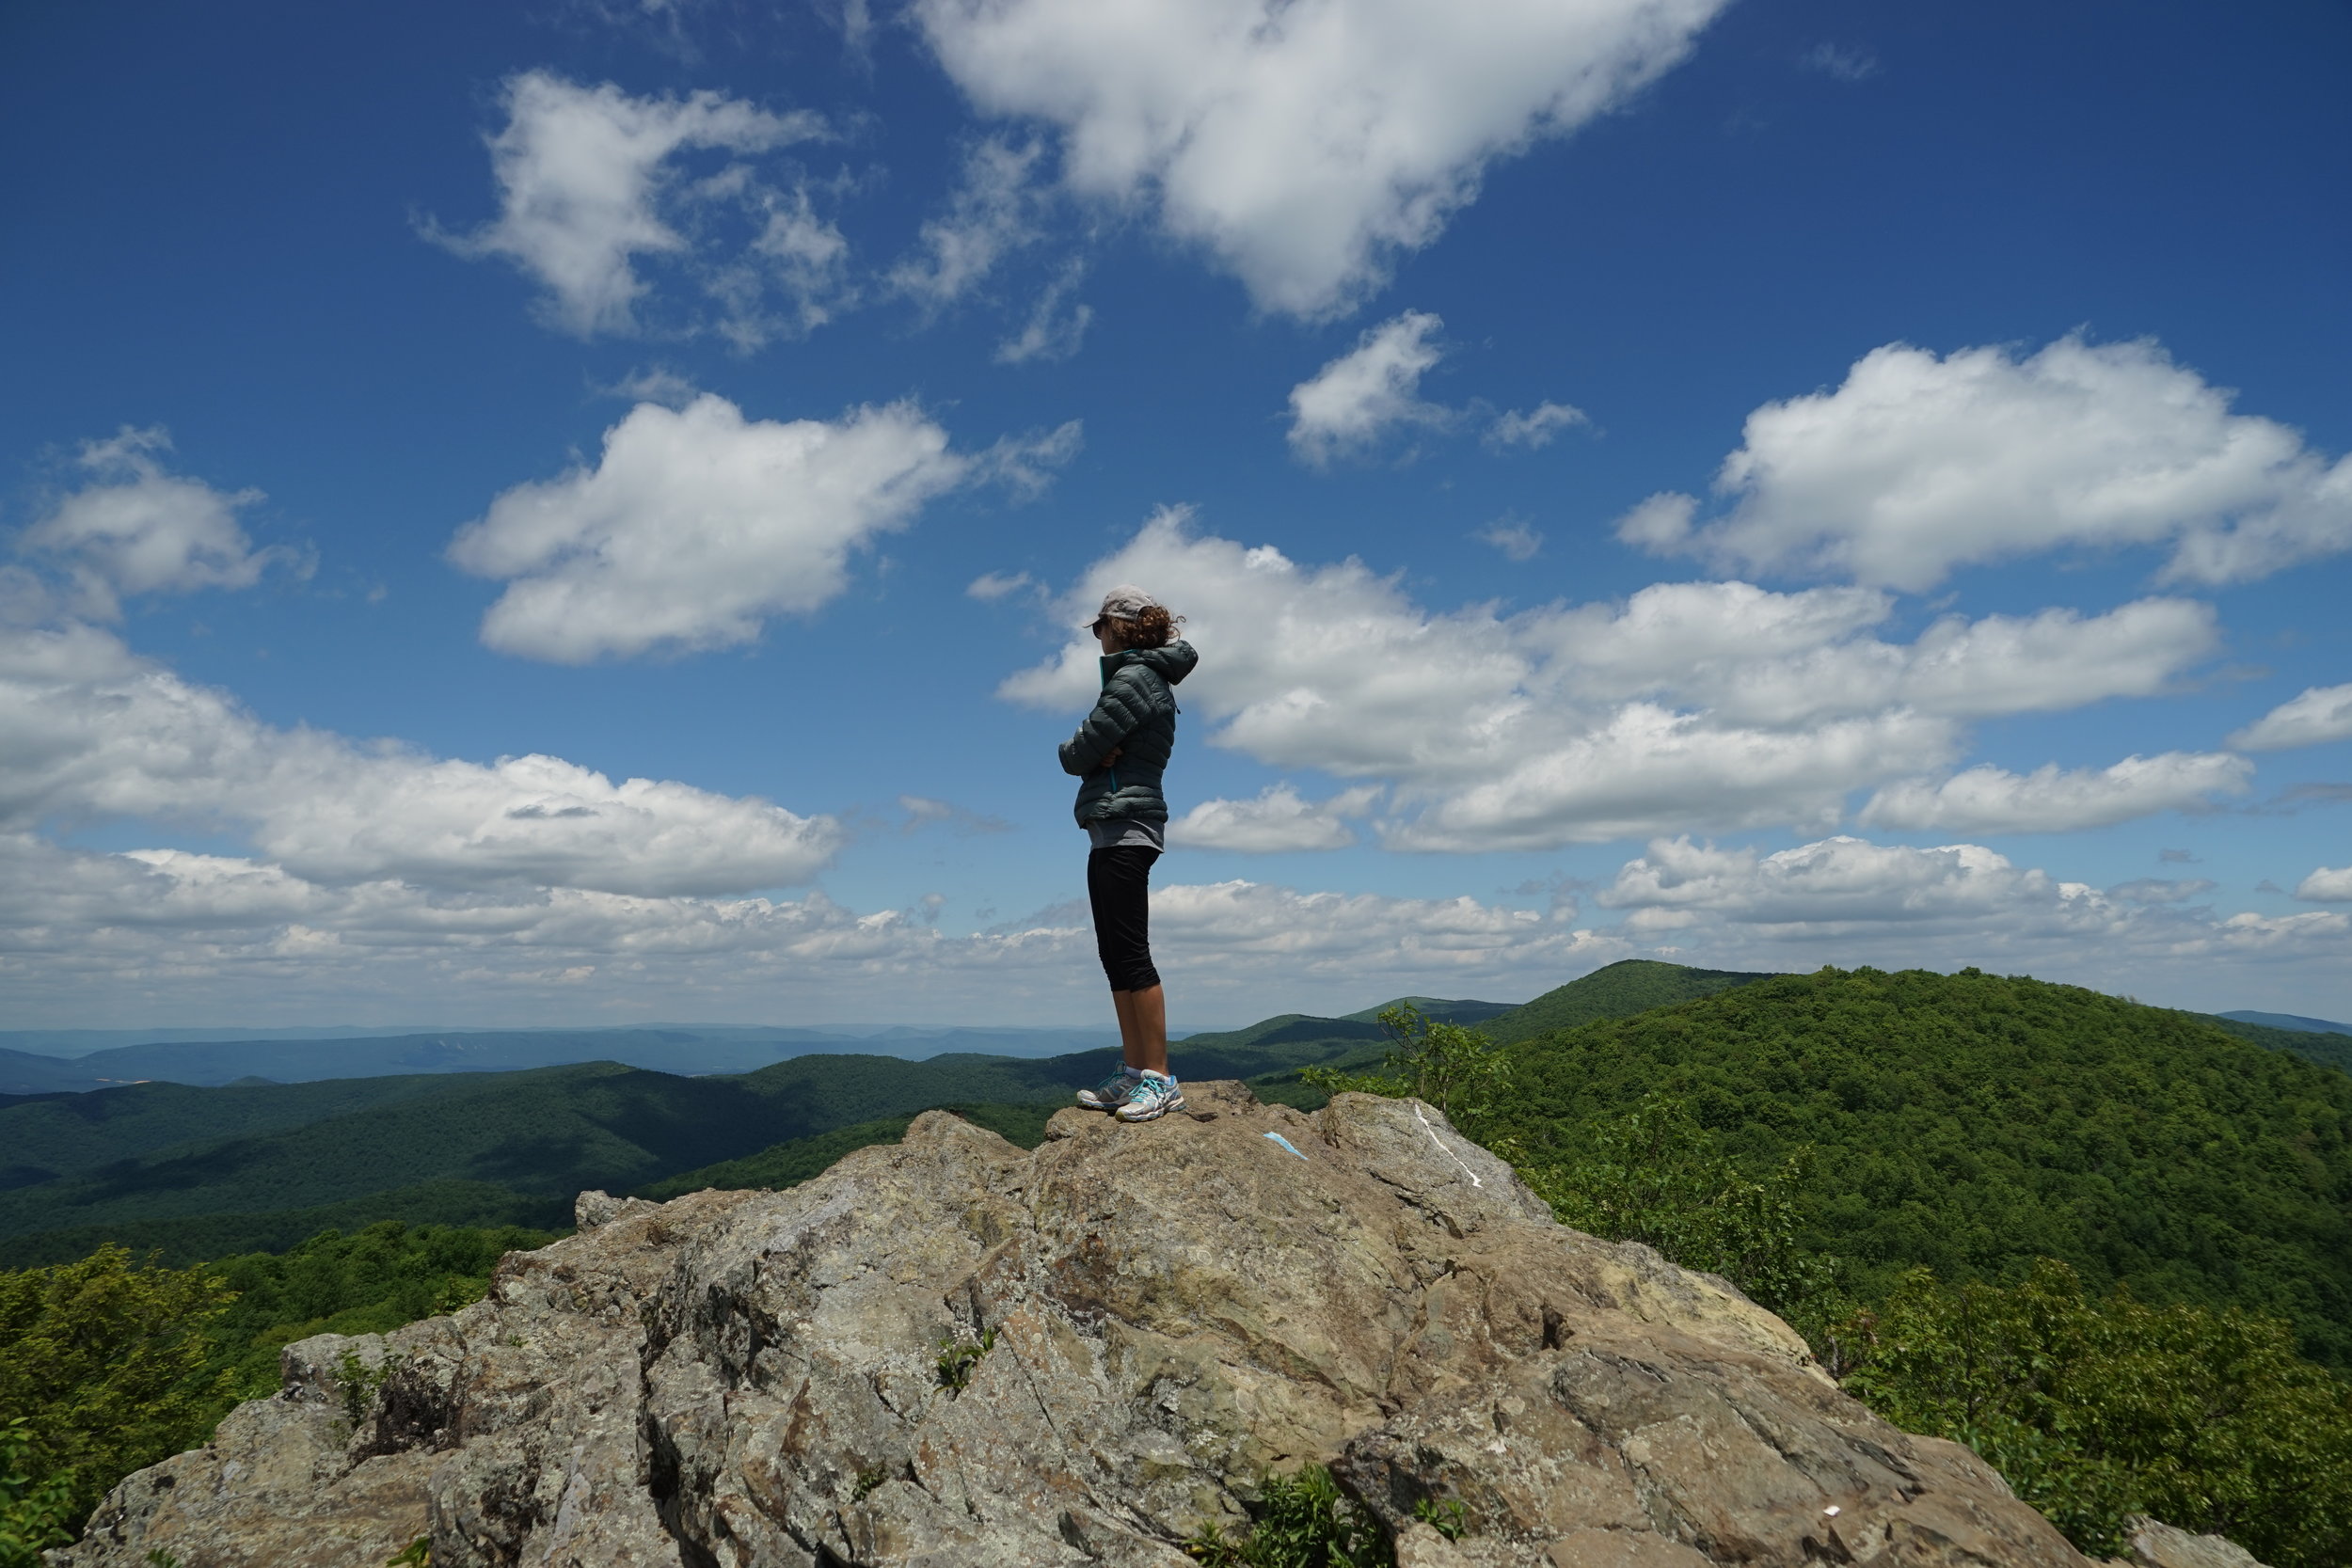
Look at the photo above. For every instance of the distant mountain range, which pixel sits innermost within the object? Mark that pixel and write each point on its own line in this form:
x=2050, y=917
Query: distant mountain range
x=689, y=1051
x=484, y=1129
x=460, y=1139
x=81, y=1042
x=2290, y=1021
x=83, y=1060
x=208, y=1059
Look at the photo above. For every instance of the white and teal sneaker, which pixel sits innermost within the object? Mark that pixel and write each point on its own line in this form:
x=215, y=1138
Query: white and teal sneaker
x=1154, y=1096
x=1112, y=1092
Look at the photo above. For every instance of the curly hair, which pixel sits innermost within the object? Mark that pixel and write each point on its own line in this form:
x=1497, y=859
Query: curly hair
x=1152, y=628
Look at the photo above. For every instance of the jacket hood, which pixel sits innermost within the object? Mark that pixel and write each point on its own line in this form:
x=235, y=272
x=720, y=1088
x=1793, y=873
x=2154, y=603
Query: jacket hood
x=1172, y=663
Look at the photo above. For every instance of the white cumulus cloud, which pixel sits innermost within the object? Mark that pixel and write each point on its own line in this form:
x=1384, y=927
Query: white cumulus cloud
x=136, y=528
x=1920, y=464
x=991, y=214
x=168, y=934
x=90, y=731
x=1304, y=144
x=1057, y=324
x=1367, y=391
x=1513, y=537
x=1846, y=901
x=588, y=185
x=1837, y=880
x=1717, y=704
x=991, y=586
x=1989, y=799
x=2321, y=714
x=2326, y=886
x=697, y=524
x=1366, y=938
x=1275, y=820
x=1535, y=427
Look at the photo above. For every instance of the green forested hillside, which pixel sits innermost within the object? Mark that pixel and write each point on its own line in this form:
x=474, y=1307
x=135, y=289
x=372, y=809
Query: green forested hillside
x=690, y=1052
x=1618, y=991
x=200, y=1172
x=1972, y=1123
x=546, y=1132
x=788, y=1165
x=370, y=1282
x=196, y=1238
x=22, y=1072
x=2325, y=1047
x=67, y=1134
x=2289, y=1020
x=1440, y=1009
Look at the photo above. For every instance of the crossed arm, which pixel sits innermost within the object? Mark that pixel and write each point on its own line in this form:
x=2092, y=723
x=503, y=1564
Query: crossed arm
x=1101, y=739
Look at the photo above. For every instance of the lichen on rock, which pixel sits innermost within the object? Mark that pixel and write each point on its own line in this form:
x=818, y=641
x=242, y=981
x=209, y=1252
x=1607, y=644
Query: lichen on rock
x=1147, y=1321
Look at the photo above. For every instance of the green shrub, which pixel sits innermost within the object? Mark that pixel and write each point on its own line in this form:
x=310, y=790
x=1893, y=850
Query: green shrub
x=1970, y=1124
x=1457, y=1069
x=33, y=1515
x=1656, y=1176
x=2094, y=1410
x=1301, y=1521
x=105, y=1365
x=108, y=1365
x=957, y=1357
x=369, y=1282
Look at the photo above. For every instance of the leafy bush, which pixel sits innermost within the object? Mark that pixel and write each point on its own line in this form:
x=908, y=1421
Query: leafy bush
x=1653, y=1175
x=1303, y=1521
x=104, y=1367
x=1457, y=1069
x=108, y=1365
x=370, y=1282
x=33, y=1515
x=959, y=1358
x=2094, y=1410
x=1657, y=1176
x=1970, y=1123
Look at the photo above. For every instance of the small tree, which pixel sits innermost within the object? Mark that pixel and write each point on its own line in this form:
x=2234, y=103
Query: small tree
x=34, y=1515
x=1656, y=1176
x=2094, y=1410
x=103, y=1368
x=1457, y=1069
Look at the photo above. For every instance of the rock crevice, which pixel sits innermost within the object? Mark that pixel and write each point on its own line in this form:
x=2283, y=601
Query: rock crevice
x=954, y=1351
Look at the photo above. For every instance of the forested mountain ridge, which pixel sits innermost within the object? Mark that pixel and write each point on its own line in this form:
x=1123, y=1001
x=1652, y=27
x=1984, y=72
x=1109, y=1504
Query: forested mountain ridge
x=1614, y=990
x=702, y=1049
x=200, y=1172
x=69, y=1133
x=2289, y=1020
x=1971, y=1123
x=2326, y=1048
x=139, y=1163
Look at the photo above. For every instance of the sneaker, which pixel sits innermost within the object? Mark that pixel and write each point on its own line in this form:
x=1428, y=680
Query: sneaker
x=1154, y=1096
x=1112, y=1092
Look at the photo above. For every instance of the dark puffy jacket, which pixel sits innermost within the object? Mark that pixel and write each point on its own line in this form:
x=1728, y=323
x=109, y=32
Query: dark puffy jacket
x=1135, y=716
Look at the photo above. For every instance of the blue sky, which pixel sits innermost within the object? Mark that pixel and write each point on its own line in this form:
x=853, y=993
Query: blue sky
x=574, y=513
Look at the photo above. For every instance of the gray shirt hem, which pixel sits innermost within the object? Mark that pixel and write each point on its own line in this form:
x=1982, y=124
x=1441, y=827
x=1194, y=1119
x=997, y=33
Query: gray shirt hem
x=1110, y=835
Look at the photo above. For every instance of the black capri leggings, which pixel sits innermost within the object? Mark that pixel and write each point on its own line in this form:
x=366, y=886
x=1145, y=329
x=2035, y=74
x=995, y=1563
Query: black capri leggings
x=1118, y=885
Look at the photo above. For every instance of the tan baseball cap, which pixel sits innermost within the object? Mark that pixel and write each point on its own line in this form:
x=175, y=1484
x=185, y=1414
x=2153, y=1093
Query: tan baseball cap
x=1123, y=603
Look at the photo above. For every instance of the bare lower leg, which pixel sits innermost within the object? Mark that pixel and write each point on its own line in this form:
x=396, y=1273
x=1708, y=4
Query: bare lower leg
x=1143, y=1027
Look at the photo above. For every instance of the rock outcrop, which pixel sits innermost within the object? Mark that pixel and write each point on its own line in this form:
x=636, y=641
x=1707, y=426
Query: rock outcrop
x=2157, y=1545
x=953, y=1351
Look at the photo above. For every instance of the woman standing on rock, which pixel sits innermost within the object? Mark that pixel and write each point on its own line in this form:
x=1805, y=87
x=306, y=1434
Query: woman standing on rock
x=1118, y=754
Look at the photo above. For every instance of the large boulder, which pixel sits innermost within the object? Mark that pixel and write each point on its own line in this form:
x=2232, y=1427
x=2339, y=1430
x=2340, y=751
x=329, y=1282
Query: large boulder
x=2157, y=1545
x=952, y=1352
